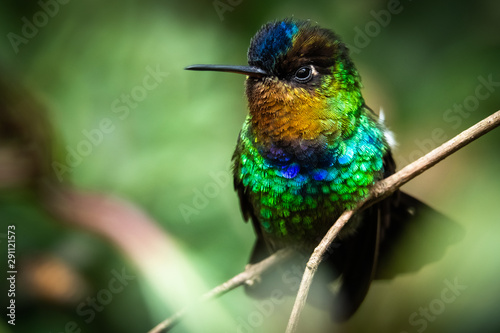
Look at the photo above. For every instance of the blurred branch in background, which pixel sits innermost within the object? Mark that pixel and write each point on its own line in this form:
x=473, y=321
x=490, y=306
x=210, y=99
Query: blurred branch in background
x=25, y=161
x=26, y=146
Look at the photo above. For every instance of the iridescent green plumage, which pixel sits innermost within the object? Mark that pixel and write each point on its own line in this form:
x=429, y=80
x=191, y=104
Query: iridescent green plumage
x=291, y=199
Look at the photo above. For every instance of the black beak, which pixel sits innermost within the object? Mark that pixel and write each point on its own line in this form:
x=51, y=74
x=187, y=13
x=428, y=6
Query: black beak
x=246, y=70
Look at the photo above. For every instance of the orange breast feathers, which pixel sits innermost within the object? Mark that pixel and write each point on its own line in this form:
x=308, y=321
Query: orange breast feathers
x=283, y=113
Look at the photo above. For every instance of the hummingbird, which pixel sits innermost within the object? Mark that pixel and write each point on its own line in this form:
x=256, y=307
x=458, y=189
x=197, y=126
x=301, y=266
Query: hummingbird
x=310, y=149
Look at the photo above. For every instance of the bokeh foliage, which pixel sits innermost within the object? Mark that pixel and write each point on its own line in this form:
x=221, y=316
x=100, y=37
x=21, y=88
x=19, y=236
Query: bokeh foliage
x=168, y=147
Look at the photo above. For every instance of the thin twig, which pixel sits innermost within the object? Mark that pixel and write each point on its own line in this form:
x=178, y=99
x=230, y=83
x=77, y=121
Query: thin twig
x=249, y=274
x=381, y=190
x=387, y=186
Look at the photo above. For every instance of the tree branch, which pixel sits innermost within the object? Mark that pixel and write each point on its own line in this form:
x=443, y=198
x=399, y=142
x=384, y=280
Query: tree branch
x=387, y=186
x=249, y=274
x=379, y=191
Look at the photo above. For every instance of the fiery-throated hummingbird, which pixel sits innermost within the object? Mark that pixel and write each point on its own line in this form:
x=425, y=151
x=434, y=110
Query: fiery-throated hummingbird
x=310, y=148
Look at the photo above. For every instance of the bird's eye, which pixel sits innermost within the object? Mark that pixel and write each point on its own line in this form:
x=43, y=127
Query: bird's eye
x=303, y=74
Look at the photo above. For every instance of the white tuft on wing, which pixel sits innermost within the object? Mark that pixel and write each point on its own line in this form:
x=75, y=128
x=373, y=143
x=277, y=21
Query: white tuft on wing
x=389, y=136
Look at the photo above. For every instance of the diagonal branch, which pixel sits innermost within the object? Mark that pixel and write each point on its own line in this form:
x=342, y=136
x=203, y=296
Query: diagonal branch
x=379, y=191
x=250, y=273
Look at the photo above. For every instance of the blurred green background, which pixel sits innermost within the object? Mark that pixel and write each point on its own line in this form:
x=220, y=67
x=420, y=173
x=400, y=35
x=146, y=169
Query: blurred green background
x=167, y=147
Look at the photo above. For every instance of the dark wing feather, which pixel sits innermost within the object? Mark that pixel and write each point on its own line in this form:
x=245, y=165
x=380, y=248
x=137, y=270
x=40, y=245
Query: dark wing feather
x=417, y=235
x=356, y=259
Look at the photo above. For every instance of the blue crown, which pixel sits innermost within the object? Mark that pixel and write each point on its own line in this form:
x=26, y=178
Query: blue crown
x=271, y=42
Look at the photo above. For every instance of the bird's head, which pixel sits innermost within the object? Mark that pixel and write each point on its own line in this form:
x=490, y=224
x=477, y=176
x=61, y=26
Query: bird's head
x=301, y=84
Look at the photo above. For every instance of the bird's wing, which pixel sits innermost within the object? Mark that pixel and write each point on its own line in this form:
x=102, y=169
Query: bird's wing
x=416, y=236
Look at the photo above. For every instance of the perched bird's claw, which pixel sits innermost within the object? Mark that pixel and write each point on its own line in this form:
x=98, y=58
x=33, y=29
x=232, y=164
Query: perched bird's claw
x=253, y=281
